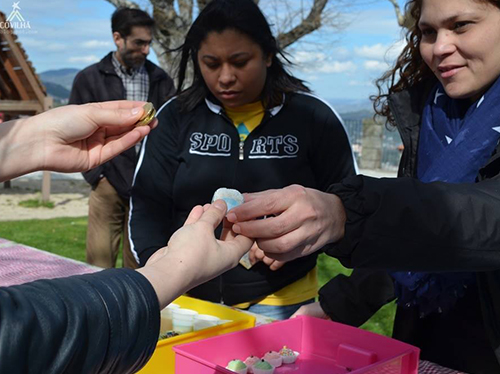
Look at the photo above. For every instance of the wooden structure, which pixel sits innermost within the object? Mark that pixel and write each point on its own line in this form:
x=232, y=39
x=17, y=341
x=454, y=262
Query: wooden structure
x=21, y=90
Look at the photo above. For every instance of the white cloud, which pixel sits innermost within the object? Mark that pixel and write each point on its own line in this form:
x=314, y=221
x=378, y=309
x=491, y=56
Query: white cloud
x=374, y=65
x=337, y=67
x=86, y=59
x=376, y=51
x=304, y=58
x=318, y=62
x=91, y=44
x=380, y=52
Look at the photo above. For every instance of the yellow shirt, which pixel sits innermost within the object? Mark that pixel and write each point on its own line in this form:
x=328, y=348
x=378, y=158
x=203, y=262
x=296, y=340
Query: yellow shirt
x=246, y=118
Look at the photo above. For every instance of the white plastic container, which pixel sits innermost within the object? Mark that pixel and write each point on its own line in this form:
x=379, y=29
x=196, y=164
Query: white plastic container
x=183, y=320
x=166, y=318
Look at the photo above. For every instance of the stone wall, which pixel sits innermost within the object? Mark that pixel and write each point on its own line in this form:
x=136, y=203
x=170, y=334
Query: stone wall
x=371, y=154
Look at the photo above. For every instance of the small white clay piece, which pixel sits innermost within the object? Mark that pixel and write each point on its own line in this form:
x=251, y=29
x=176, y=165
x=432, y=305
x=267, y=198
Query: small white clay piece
x=232, y=197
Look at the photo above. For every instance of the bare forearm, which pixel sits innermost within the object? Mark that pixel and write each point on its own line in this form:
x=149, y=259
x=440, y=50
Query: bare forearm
x=20, y=144
x=167, y=287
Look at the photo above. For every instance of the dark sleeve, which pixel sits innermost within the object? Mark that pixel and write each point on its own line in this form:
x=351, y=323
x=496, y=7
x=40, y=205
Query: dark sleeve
x=353, y=299
x=404, y=224
x=82, y=93
x=107, y=322
x=347, y=299
x=332, y=159
x=151, y=203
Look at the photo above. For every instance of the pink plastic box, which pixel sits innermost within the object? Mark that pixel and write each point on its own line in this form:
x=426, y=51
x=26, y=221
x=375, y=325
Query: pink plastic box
x=325, y=347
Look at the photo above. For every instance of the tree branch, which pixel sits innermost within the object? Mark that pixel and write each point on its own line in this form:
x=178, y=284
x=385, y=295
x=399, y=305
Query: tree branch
x=124, y=4
x=404, y=20
x=399, y=15
x=186, y=10
x=311, y=23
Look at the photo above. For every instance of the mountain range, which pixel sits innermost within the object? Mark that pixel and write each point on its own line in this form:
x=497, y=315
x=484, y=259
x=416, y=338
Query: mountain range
x=58, y=84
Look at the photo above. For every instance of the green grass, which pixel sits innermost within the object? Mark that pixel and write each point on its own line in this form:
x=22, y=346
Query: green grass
x=66, y=237
x=63, y=236
x=36, y=203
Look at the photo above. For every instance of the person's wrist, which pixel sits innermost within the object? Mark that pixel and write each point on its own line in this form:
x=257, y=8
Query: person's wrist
x=167, y=288
x=168, y=282
x=338, y=219
x=26, y=145
x=32, y=136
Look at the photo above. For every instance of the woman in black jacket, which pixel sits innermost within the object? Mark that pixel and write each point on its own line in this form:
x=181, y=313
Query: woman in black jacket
x=244, y=123
x=440, y=240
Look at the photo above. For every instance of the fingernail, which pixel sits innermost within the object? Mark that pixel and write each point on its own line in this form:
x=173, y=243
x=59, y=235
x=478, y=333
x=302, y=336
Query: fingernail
x=231, y=217
x=219, y=204
x=136, y=110
x=237, y=229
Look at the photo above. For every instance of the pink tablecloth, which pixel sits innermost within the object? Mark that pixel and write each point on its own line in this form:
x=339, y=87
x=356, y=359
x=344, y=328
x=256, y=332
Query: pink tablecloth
x=426, y=367
x=21, y=264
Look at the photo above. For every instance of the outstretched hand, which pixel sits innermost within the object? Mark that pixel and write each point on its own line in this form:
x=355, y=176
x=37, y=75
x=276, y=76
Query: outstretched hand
x=81, y=137
x=193, y=255
x=70, y=138
x=299, y=221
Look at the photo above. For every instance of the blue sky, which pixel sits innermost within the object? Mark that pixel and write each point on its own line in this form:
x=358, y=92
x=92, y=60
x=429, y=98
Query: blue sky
x=337, y=65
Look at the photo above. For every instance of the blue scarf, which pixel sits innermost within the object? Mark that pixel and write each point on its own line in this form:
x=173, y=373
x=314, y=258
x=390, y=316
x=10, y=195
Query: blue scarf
x=455, y=142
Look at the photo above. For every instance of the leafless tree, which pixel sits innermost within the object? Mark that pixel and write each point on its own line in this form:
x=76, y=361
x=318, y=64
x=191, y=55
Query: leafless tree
x=292, y=20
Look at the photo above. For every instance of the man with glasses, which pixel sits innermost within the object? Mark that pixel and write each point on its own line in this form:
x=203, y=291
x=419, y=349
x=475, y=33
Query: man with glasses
x=123, y=74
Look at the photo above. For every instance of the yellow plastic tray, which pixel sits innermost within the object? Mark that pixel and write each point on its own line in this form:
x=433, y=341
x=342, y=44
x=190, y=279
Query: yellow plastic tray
x=162, y=361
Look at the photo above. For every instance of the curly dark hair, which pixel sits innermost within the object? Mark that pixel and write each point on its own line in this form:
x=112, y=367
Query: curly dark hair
x=410, y=68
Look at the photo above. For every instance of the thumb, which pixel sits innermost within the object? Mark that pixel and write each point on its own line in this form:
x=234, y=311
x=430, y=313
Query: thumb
x=103, y=116
x=215, y=213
